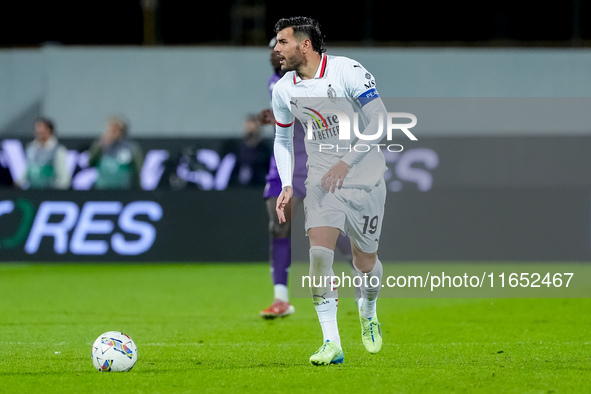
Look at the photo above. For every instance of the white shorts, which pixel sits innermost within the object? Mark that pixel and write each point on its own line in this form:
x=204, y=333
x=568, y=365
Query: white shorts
x=357, y=213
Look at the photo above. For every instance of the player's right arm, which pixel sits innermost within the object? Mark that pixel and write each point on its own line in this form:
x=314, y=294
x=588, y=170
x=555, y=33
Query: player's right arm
x=282, y=148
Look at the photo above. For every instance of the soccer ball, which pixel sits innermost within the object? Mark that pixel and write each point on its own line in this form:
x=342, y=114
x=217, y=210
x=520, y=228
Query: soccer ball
x=114, y=351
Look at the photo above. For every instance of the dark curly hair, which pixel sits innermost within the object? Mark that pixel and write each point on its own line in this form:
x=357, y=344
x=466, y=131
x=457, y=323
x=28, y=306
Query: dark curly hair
x=304, y=27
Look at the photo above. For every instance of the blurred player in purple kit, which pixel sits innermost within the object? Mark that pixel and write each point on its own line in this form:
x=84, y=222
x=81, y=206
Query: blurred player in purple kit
x=280, y=244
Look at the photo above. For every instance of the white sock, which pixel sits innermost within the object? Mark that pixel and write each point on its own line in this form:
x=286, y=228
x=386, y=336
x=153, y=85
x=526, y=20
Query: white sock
x=324, y=297
x=370, y=289
x=281, y=293
x=327, y=316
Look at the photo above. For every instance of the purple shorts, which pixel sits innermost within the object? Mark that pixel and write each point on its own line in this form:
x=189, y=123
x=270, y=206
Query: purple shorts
x=273, y=187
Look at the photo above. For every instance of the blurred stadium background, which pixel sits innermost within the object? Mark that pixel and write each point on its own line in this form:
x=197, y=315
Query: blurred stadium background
x=186, y=75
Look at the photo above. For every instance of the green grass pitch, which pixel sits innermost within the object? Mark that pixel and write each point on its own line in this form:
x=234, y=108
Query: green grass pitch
x=197, y=330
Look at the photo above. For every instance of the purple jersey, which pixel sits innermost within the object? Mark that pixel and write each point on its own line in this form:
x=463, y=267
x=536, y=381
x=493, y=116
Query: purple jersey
x=273, y=187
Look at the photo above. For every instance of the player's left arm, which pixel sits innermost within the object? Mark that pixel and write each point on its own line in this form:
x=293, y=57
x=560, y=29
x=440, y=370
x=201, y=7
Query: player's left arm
x=375, y=113
x=360, y=84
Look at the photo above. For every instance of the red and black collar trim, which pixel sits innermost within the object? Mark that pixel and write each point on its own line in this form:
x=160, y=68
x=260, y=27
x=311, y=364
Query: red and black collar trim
x=323, y=67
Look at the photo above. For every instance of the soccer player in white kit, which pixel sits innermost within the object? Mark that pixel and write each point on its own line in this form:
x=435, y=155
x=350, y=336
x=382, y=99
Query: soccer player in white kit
x=345, y=189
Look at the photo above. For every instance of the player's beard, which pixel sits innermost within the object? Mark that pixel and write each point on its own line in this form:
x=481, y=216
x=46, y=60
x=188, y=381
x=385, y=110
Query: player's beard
x=293, y=63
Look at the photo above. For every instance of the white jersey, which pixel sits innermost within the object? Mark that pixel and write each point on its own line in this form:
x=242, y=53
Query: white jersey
x=340, y=83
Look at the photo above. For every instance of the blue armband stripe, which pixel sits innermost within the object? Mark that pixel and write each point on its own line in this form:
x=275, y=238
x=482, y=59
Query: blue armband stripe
x=368, y=96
